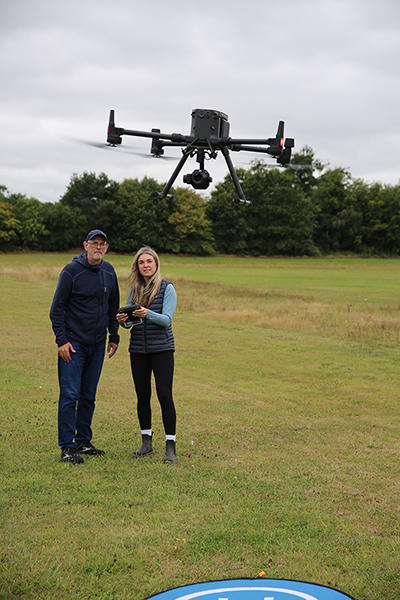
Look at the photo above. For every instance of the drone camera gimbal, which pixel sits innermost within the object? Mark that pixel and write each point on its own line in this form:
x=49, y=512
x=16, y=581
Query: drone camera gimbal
x=209, y=134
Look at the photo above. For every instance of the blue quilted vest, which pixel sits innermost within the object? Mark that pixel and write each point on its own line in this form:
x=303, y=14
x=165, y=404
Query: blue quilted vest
x=148, y=337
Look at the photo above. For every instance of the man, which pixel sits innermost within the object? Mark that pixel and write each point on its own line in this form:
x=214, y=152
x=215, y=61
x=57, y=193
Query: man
x=84, y=306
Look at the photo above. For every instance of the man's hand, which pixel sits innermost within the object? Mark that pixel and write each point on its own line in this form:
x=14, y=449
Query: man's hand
x=112, y=347
x=64, y=351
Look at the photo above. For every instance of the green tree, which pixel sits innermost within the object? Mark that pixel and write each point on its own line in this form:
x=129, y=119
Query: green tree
x=229, y=219
x=96, y=198
x=190, y=230
x=280, y=219
x=339, y=214
x=9, y=224
x=8, y=227
x=31, y=230
x=281, y=215
x=145, y=215
x=382, y=216
x=303, y=176
x=63, y=226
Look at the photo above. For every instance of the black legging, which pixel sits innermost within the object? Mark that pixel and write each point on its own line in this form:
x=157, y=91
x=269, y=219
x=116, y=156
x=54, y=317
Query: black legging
x=162, y=365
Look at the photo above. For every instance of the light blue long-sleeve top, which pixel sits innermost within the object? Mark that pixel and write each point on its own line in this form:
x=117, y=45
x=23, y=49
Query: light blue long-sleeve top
x=163, y=319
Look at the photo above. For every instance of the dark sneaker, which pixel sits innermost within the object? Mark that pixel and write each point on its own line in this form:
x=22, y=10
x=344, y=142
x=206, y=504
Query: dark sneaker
x=70, y=455
x=88, y=449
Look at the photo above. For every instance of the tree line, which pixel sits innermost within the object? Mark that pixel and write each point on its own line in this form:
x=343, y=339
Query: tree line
x=304, y=211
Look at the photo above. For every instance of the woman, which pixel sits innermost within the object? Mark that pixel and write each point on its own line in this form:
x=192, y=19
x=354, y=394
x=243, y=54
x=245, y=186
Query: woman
x=152, y=346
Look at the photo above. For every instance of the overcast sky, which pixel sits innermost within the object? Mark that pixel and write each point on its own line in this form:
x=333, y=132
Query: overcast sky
x=328, y=68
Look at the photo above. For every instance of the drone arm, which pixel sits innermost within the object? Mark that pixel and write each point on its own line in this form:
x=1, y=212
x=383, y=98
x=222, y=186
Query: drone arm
x=177, y=138
x=170, y=144
x=114, y=134
x=234, y=176
x=168, y=185
x=238, y=147
x=264, y=142
x=282, y=155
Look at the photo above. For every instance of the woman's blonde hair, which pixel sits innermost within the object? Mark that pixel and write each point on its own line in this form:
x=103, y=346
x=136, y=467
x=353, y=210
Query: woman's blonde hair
x=141, y=292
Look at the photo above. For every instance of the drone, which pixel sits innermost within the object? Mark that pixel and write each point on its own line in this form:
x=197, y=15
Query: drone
x=209, y=134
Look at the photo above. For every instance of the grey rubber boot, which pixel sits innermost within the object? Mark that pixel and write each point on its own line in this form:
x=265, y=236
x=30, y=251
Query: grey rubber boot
x=146, y=449
x=170, y=453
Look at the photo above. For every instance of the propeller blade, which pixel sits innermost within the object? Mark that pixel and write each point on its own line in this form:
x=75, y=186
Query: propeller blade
x=256, y=161
x=101, y=145
x=118, y=149
x=294, y=167
x=299, y=167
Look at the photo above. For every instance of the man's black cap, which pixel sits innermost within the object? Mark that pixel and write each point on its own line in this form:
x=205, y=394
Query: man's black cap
x=95, y=232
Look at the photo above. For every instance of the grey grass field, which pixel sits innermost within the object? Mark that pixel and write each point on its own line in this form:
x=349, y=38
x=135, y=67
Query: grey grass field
x=287, y=391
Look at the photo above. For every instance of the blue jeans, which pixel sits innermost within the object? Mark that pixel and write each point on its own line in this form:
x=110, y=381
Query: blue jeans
x=78, y=381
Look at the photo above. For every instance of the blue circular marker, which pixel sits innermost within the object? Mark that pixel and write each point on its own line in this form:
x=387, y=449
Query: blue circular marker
x=252, y=589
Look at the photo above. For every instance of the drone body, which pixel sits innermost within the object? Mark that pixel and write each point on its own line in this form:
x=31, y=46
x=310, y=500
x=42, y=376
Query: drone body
x=209, y=134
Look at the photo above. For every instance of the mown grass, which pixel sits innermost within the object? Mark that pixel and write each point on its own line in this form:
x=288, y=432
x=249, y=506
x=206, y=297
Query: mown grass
x=287, y=393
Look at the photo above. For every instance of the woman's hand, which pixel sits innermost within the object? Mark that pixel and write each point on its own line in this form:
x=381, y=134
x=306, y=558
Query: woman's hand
x=141, y=312
x=121, y=317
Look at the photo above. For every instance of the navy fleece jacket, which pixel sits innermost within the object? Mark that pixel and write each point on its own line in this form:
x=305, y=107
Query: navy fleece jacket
x=85, y=303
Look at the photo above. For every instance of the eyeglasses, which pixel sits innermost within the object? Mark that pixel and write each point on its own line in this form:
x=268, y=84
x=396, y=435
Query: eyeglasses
x=98, y=244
